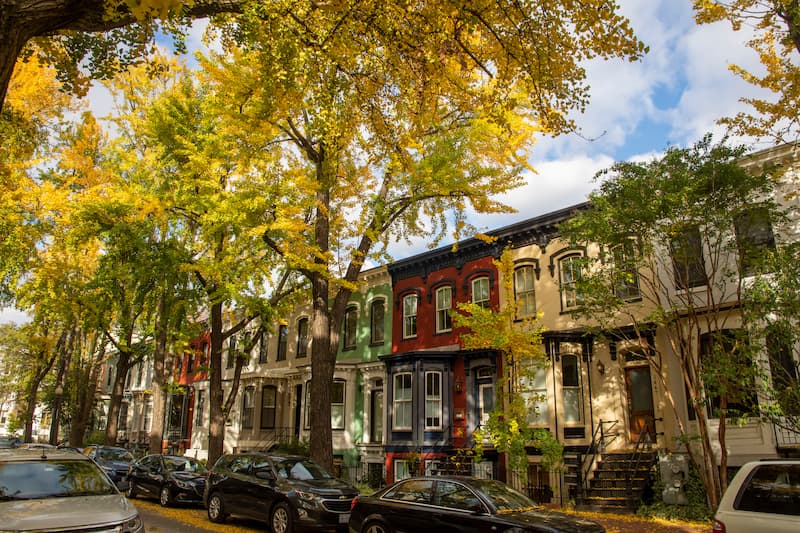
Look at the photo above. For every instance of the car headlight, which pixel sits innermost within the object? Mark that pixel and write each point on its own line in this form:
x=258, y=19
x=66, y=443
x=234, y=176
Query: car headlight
x=134, y=525
x=308, y=498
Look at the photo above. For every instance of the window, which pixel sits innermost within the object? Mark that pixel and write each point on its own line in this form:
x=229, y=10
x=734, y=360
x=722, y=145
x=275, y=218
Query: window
x=433, y=400
x=283, y=336
x=269, y=395
x=753, y=237
x=248, y=406
x=771, y=488
x=524, y=292
x=122, y=423
x=190, y=363
x=376, y=315
x=486, y=401
x=783, y=370
x=302, y=337
x=350, y=321
x=147, y=415
x=444, y=302
x=534, y=390
x=456, y=496
x=410, y=316
x=231, y=352
x=413, y=490
x=337, y=405
x=570, y=270
x=723, y=354
x=626, y=278
x=687, y=259
x=307, y=409
x=571, y=388
x=262, y=348
x=480, y=291
x=198, y=410
x=401, y=470
x=402, y=401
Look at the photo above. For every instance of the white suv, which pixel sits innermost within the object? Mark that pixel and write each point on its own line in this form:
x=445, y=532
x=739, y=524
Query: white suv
x=764, y=496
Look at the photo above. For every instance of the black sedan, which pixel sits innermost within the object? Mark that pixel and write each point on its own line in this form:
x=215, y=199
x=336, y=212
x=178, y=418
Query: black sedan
x=457, y=504
x=170, y=478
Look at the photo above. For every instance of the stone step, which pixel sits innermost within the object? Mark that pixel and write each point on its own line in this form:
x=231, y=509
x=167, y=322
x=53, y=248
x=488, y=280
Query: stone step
x=637, y=482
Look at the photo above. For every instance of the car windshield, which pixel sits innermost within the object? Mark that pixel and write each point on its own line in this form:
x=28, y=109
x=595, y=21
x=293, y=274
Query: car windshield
x=52, y=479
x=184, y=464
x=114, y=454
x=504, y=498
x=301, y=469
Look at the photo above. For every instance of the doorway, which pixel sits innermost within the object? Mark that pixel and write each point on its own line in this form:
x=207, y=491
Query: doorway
x=640, y=402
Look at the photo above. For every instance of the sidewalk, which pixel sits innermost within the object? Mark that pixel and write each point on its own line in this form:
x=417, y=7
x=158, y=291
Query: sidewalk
x=624, y=523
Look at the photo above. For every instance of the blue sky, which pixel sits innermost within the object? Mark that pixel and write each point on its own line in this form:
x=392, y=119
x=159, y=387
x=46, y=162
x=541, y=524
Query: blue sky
x=672, y=97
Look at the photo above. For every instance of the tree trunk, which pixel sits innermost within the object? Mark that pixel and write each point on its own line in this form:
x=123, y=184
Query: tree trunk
x=322, y=367
x=86, y=394
x=160, y=378
x=123, y=365
x=216, y=426
x=30, y=411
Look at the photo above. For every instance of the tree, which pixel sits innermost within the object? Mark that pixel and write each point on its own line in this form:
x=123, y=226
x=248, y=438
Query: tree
x=665, y=233
x=391, y=120
x=776, y=40
x=519, y=342
x=106, y=36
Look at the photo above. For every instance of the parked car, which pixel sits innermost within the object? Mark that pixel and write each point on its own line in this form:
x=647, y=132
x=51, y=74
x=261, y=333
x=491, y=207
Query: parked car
x=170, y=478
x=9, y=441
x=113, y=460
x=36, y=446
x=288, y=492
x=458, y=504
x=60, y=490
x=763, y=496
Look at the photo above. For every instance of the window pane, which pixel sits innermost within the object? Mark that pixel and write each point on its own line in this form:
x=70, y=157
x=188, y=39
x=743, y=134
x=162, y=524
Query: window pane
x=337, y=405
x=302, y=337
x=376, y=321
x=283, y=335
x=268, y=397
x=480, y=292
x=402, y=401
x=443, y=305
x=753, y=237
x=772, y=489
x=687, y=259
x=410, y=316
x=524, y=291
x=433, y=399
x=350, y=318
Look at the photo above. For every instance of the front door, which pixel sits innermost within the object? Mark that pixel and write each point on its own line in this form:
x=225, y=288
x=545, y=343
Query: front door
x=640, y=401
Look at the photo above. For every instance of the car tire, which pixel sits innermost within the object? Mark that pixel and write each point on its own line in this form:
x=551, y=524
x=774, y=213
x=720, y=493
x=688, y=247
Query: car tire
x=281, y=519
x=216, y=508
x=375, y=527
x=131, y=492
x=165, y=496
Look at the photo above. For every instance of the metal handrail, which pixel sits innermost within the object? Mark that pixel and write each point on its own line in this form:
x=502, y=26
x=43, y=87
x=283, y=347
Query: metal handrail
x=596, y=447
x=644, y=436
x=280, y=435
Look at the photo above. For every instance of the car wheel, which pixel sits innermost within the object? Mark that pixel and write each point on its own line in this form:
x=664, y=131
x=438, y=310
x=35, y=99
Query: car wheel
x=165, y=496
x=216, y=508
x=281, y=521
x=131, y=492
x=375, y=527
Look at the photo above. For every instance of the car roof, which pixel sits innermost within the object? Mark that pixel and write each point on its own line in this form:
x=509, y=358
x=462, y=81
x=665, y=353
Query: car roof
x=17, y=454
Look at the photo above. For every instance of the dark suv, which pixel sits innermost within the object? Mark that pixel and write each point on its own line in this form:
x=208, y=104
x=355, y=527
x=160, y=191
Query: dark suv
x=288, y=492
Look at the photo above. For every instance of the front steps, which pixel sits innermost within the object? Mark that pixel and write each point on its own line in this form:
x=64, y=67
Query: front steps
x=608, y=489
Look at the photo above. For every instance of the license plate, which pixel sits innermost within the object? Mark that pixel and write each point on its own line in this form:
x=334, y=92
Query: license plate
x=344, y=518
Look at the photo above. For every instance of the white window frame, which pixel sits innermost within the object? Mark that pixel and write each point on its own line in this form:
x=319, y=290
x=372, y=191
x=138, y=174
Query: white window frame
x=569, y=272
x=534, y=390
x=433, y=400
x=402, y=403
x=444, y=304
x=573, y=389
x=401, y=470
x=248, y=407
x=409, y=317
x=484, y=412
x=524, y=295
x=337, y=405
x=478, y=285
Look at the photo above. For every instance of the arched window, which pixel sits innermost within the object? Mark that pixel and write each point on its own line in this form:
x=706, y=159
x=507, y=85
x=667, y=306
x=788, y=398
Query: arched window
x=302, y=337
x=377, y=312
x=480, y=291
x=350, y=322
x=570, y=270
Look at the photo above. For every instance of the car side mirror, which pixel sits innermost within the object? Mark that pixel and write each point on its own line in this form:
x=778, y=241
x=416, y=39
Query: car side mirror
x=265, y=473
x=475, y=507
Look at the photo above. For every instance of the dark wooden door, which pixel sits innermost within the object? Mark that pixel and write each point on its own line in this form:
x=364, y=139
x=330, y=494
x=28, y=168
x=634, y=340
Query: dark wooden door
x=640, y=401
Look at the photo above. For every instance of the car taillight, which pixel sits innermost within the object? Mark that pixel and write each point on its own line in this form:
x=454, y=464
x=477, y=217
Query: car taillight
x=717, y=526
x=353, y=503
